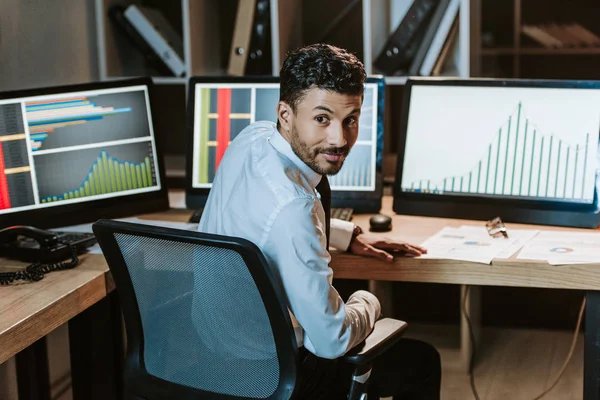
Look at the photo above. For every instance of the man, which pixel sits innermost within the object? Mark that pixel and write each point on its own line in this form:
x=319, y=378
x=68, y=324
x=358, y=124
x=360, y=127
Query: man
x=271, y=188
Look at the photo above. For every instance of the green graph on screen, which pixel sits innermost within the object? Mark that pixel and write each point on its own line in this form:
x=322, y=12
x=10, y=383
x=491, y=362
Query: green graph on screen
x=108, y=175
x=521, y=161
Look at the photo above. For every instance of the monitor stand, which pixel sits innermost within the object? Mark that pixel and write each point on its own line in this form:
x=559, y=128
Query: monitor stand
x=195, y=201
x=359, y=206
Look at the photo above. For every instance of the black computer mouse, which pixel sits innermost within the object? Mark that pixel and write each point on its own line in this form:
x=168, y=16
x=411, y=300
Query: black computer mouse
x=380, y=223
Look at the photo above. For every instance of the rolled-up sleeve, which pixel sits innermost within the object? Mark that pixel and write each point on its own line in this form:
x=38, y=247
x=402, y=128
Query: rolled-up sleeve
x=296, y=245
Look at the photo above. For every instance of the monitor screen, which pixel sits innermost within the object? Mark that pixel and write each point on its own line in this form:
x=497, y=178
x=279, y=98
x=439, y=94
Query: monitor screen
x=222, y=109
x=75, y=146
x=524, y=142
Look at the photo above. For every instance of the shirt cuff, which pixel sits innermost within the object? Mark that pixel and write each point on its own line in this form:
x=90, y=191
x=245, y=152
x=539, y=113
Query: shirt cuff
x=341, y=234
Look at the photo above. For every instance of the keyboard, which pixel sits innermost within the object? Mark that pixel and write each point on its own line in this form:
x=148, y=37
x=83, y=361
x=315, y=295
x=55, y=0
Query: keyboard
x=77, y=239
x=195, y=218
x=342, y=213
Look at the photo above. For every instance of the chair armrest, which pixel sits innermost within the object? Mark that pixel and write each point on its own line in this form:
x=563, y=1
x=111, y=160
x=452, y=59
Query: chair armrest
x=386, y=332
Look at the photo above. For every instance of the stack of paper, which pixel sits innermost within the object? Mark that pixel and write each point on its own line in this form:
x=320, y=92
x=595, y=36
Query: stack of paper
x=472, y=243
x=561, y=248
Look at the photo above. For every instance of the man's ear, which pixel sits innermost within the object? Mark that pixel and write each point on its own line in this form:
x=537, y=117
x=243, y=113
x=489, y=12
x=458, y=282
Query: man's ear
x=284, y=115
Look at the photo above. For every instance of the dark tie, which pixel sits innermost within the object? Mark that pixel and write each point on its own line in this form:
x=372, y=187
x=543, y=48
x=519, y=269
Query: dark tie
x=325, y=192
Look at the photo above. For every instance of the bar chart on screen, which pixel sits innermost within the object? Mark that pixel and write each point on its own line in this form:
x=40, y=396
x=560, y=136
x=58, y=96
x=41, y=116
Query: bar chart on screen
x=95, y=172
x=520, y=155
x=62, y=122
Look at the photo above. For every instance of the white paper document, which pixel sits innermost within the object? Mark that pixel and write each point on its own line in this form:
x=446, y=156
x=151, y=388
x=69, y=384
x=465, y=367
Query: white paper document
x=467, y=244
x=562, y=248
x=95, y=249
x=522, y=237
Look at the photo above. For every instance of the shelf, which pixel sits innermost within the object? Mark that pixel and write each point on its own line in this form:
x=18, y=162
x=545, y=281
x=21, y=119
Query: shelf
x=541, y=51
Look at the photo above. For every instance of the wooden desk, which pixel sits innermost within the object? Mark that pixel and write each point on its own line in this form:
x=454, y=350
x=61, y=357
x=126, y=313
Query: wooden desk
x=30, y=311
x=80, y=297
x=502, y=272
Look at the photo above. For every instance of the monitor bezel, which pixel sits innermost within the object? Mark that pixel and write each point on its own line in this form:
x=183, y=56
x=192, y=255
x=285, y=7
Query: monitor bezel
x=361, y=201
x=90, y=211
x=484, y=208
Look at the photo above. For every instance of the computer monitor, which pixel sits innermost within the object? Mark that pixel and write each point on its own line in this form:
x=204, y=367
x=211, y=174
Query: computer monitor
x=74, y=154
x=219, y=108
x=524, y=150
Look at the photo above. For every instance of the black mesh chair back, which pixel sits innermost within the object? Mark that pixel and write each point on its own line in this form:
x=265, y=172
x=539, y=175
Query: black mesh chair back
x=204, y=314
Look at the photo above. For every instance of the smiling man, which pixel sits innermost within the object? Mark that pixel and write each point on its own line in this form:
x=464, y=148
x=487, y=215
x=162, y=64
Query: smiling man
x=271, y=188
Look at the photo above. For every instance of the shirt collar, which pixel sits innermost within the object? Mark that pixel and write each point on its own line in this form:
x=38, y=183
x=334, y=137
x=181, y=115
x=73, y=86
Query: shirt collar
x=283, y=147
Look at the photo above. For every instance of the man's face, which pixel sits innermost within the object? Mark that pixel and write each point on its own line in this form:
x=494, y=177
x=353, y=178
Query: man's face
x=323, y=129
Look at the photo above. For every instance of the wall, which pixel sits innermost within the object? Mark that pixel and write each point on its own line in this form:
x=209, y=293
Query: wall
x=46, y=43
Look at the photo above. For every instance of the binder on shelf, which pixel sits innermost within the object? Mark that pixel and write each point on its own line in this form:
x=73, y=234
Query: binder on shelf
x=434, y=51
x=116, y=14
x=541, y=36
x=402, y=45
x=448, y=49
x=590, y=39
x=250, y=52
x=563, y=35
x=428, y=36
x=259, y=58
x=240, y=44
x=160, y=36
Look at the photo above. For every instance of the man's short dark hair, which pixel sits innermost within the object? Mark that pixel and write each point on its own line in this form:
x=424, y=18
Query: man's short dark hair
x=320, y=66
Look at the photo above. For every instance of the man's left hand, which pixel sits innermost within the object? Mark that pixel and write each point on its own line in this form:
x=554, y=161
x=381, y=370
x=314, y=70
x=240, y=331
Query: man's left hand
x=378, y=246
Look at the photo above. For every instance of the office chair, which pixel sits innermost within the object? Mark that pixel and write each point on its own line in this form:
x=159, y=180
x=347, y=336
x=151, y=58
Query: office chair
x=206, y=317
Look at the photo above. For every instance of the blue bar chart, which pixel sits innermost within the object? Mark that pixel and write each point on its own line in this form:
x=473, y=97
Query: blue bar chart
x=80, y=120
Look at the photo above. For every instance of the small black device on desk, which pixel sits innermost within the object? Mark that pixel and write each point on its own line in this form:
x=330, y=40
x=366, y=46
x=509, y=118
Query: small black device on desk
x=26, y=243
x=380, y=223
x=196, y=215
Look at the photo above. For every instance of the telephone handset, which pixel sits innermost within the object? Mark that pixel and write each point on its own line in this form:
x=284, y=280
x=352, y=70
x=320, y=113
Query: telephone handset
x=47, y=250
x=44, y=238
x=27, y=243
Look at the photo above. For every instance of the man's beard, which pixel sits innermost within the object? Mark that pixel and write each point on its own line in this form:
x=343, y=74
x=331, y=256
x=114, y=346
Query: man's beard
x=310, y=156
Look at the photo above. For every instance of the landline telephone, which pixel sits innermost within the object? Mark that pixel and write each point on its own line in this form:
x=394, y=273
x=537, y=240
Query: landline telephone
x=47, y=250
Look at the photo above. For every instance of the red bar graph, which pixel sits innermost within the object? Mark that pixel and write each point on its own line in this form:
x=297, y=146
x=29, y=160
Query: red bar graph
x=4, y=196
x=223, y=123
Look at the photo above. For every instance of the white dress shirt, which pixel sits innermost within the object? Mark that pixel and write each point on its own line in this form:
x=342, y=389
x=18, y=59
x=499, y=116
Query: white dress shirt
x=265, y=193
